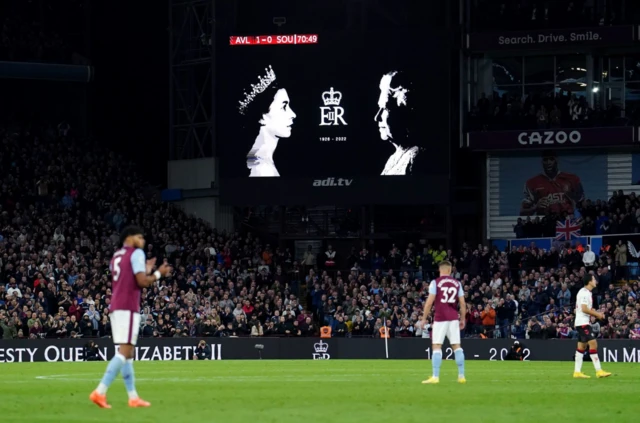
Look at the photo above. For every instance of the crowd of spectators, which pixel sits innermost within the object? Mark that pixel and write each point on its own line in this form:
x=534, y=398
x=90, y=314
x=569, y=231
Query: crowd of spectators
x=618, y=215
x=535, y=14
x=49, y=34
x=542, y=111
x=64, y=202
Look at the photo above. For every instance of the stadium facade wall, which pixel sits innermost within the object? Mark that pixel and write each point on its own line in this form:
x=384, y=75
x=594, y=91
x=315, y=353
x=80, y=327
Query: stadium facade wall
x=191, y=174
x=174, y=349
x=192, y=185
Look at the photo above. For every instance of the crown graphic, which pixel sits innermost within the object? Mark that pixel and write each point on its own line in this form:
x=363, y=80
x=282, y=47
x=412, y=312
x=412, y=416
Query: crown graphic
x=331, y=98
x=260, y=87
x=321, y=347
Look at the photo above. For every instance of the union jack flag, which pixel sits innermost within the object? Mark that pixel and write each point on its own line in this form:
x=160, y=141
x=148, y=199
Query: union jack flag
x=567, y=230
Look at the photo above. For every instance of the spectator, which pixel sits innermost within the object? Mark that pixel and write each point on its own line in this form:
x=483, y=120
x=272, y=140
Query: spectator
x=488, y=317
x=588, y=258
x=309, y=259
x=621, y=254
x=8, y=327
x=330, y=257
x=257, y=329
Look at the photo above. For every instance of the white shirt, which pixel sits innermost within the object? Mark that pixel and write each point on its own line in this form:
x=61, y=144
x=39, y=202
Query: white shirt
x=589, y=258
x=425, y=331
x=584, y=297
x=15, y=292
x=495, y=284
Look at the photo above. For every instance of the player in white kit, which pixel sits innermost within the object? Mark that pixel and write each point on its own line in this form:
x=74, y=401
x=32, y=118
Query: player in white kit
x=586, y=337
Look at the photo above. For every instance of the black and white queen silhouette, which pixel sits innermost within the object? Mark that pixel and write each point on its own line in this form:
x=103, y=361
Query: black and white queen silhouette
x=268, y=106
x=394, y=119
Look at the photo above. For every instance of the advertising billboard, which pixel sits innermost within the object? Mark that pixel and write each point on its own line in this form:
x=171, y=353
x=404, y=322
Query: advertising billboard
x=552, y=38
x=538, y=184
x=180, y=349
x=552, y=138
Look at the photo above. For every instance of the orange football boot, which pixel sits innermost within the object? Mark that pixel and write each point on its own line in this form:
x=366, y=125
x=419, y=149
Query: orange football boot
x=138, y=402
x=99, y=400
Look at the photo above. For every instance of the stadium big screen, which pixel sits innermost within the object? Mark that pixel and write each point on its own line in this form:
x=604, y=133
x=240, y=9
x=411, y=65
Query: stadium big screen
x=335, y=118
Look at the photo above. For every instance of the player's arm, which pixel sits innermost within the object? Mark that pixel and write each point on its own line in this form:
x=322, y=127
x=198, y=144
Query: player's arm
x=578, y=192
x=463, y=307
x=139, y=266
x=584, y=307
x=586, y=310
x=528, y=205
x=429, y=304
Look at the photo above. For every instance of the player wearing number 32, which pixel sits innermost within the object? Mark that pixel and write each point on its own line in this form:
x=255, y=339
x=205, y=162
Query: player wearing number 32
x=445, y=293
x=129, y=274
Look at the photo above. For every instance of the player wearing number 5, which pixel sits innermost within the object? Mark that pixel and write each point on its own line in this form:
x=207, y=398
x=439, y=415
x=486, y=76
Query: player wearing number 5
x=445, y=293
x=129, y=274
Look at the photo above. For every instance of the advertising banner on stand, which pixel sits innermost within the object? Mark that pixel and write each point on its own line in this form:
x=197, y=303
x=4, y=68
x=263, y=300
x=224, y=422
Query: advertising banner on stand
x=180, y=349
x=552, y=38
x=558, y=138
x=524, y=190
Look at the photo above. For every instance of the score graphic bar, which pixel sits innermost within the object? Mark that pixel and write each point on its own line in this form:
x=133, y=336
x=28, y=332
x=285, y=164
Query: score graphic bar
x=256, y=40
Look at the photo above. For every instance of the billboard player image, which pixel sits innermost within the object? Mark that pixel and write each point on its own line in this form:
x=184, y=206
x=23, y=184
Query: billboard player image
x=551, y=192
x=393, y=123
x=269, y=107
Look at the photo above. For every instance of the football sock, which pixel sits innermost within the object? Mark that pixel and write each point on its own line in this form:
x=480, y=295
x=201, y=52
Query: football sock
x=129, y=379
x=436, y=362
x=113, y=369
x=595, y=360
x=578, y=364
x=459, y=353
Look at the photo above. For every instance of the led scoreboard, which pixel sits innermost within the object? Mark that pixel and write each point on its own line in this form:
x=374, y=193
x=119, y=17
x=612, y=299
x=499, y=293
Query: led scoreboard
x=335, y=118
x=254, y=40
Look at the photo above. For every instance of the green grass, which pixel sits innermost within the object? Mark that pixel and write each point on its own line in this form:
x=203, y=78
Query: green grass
x=322, y=391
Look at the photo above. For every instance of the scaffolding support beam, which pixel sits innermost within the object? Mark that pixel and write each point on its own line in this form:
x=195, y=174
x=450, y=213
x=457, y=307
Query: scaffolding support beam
x=192, y=76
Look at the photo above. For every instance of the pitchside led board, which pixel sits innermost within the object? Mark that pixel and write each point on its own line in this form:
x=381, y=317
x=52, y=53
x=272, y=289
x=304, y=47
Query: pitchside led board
x=336, y=119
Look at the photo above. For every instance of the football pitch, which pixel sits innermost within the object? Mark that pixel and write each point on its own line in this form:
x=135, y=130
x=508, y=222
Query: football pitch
x=322, y=391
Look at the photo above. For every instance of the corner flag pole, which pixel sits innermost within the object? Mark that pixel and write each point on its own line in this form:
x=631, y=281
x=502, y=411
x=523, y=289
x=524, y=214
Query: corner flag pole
x=386, y=339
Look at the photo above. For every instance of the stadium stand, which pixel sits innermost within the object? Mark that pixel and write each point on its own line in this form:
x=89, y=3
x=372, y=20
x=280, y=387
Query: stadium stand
x=62, y=209
x=526, y=14
x=64, y=200
x=543, y=110
x=42, y=31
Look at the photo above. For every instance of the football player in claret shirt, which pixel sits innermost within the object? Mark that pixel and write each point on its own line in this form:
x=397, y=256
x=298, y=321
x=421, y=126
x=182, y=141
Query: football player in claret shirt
x=445, y=293
x=586, y=337
x=129, y=274
x=551, y=192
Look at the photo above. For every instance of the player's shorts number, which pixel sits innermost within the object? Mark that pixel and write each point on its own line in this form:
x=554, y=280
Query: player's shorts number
x=448, y=295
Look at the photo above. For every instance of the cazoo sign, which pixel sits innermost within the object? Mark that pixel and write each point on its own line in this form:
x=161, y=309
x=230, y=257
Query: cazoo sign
x=549, y=137
x=561, y=138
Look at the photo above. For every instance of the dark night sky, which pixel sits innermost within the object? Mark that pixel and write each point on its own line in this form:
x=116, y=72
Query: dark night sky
x=130, y=95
